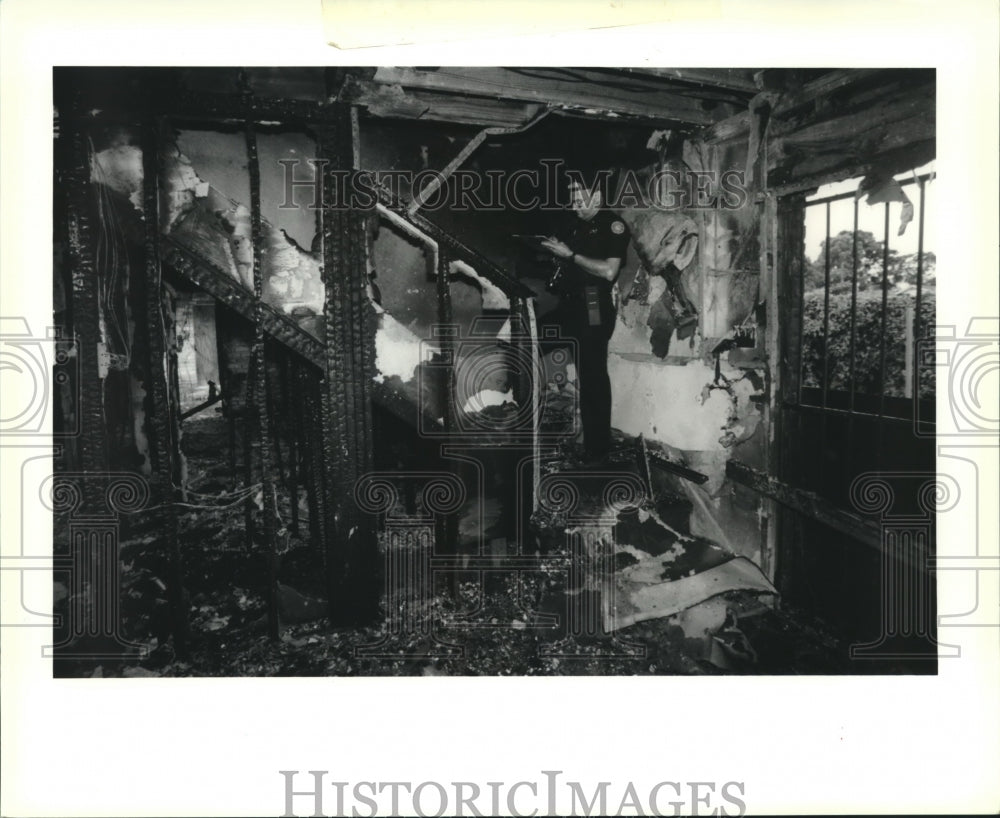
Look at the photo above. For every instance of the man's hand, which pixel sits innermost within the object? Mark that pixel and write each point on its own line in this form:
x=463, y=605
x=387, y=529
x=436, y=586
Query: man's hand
x=556, y=247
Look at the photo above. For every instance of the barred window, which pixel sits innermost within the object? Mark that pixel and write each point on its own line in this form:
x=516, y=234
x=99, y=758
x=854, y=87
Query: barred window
x=868, y=295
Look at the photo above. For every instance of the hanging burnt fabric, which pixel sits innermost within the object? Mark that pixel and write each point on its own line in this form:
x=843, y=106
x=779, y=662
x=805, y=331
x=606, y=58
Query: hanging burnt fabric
x=662, y=237
x=661, y=322
x=673, y=311
x=685, y=312
x=882, y=189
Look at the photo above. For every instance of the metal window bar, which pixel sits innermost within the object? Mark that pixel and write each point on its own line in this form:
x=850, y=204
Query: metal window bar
x=826, y=201
x=852, y=350
x=917, y=323
x=802, y=318
x=883, y=325
x=826, y=310
x=825, y=383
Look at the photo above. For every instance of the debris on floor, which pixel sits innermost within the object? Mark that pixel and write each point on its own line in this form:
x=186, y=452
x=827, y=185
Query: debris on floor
x=685, y=605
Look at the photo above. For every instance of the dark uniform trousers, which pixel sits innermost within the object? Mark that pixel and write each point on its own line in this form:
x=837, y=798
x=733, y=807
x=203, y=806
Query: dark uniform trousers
x=600, y=238
x=595, y=387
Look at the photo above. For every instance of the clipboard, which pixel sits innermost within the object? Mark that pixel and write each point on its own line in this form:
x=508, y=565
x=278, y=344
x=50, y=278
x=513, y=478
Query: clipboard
x=534, y=241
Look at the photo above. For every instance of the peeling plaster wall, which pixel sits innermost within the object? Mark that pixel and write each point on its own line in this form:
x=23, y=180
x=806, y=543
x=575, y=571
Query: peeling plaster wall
x=680, y=405
x=677, y=400
x=204, y=204
x=676, y=405
x=291, y=268
x=729, y=254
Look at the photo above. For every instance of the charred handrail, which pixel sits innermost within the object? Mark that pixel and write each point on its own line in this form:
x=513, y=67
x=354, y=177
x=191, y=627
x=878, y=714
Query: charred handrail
x=654, y=458
x=283, y=329
x=226, y=289
x=490, y=270
x=473, y=145
x=807, y=503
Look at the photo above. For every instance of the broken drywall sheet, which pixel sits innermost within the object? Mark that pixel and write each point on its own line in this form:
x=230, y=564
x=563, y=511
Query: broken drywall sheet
x=639, y=597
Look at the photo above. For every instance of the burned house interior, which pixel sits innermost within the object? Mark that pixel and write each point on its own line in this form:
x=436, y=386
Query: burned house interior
x=309, y=433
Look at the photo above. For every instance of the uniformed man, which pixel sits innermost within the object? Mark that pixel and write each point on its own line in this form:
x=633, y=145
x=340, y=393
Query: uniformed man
x=590, y=261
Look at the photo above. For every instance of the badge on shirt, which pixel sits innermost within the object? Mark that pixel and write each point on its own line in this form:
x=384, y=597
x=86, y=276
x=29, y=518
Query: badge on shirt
x=617, y=228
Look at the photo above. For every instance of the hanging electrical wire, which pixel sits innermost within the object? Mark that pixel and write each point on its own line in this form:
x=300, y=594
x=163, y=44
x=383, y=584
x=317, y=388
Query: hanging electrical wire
x=112, y=263
x=233, y=498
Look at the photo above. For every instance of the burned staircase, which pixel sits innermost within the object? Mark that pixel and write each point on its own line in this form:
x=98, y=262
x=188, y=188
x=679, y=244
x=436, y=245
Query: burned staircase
x=206, y=274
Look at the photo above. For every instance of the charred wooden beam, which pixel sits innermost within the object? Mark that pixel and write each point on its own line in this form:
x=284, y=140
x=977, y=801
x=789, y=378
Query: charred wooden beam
x=806, y=502
x=404, y=403
x=86, y=313
x=293, y=428
x=528, y=385
x=346, y=400
x=790, y=238
x=770, y=294
x=260, y=402
x=728, y=79
x=313, y=448
x=446, y=337
x=808, y=95
x=585, y=90
x=393, y=102
x=662, y=462
x=249, y=444
x=891, y=137
x=194, y=410
x=161, y=417
x=446, y=525
x=231, y=293
x=363, y=540
x=846, y=122
x=421, y=196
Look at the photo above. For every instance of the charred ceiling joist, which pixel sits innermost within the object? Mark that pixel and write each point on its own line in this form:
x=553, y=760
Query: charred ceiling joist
x=583, y=90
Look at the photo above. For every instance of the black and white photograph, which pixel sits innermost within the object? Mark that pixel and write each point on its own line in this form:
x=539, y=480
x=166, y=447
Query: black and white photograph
x=419, y=409
x=495, y=370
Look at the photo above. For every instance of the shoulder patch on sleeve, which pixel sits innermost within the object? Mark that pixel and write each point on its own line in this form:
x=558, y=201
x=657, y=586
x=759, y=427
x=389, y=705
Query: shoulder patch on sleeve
x=617, y=227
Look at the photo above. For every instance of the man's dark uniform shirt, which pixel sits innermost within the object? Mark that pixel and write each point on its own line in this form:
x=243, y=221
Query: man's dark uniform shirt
x=602, y=237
